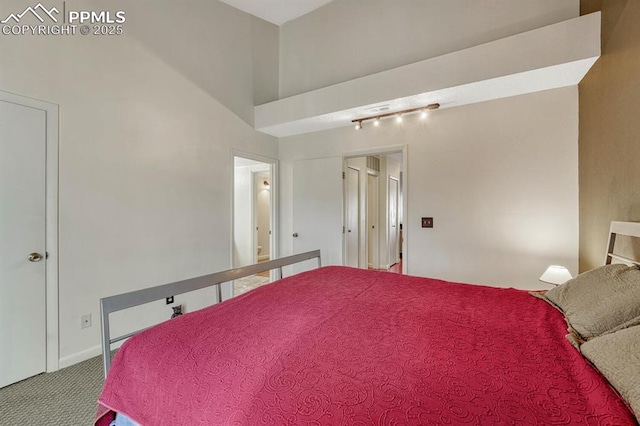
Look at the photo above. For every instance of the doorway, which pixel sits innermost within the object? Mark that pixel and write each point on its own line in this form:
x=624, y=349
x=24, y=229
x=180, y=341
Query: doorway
x=254, y=220
x=373, y=202
x=28, y=247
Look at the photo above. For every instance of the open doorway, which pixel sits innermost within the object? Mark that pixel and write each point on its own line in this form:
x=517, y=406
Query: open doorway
x=253, y=218
x=373, y=200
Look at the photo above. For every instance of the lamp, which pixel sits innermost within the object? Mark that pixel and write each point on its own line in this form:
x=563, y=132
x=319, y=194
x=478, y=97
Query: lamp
x=397, y=114
x=556, y=275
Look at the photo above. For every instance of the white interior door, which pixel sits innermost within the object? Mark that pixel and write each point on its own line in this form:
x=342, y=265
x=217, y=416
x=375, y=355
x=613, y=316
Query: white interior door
x=22, y=241
x=353, y=217
x=317, y=210
x=373, y=256
x=394, y=249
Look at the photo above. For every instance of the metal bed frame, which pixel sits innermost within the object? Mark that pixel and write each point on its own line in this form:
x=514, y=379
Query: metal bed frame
x=630, y=229
x=122, y=301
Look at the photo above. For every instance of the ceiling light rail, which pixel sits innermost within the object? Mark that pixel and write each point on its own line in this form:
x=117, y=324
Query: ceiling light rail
x=397, y=114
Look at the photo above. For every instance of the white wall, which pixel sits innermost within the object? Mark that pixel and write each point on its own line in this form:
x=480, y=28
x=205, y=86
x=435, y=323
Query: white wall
x=346, y=39
x=147, y=124
x=499, y=178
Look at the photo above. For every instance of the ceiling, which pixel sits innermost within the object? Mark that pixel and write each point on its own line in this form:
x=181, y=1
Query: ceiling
x=277, y=11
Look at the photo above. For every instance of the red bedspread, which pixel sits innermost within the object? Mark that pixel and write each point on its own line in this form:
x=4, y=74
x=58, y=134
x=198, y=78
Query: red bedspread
x=348, y=346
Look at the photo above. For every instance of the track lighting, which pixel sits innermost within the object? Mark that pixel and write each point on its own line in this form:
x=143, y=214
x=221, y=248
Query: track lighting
x=398, y=114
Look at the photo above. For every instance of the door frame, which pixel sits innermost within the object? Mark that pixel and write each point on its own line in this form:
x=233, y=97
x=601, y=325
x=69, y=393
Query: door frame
x=227, y=289
x=254, y=214
x=384, y=150
x=395, y=245
x=51, y=222
x=346, y=204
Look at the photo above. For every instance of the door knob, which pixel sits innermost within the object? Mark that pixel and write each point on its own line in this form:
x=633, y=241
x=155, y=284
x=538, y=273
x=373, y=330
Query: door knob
x=295, y=235
x=35, y=257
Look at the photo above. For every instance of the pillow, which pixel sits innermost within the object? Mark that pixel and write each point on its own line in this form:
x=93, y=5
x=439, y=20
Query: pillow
x=599, y=300
x=617, y=356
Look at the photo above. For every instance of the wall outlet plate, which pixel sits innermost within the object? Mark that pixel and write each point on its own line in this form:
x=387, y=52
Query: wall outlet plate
x=85, y=321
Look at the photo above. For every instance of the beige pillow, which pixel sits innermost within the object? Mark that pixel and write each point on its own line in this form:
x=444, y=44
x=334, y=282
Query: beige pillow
x=617, y=356
x=599, y=300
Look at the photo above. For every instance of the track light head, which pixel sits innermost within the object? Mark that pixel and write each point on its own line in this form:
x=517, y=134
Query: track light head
x=423, y=111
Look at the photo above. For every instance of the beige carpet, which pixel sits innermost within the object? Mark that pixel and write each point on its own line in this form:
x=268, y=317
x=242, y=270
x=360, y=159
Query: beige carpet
x=66, y=397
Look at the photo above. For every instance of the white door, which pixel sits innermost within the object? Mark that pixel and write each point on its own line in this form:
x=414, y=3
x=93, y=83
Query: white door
x=353, y=217
x=372, y=221
x=317, y=210
x=394, y=254
x=22, y=233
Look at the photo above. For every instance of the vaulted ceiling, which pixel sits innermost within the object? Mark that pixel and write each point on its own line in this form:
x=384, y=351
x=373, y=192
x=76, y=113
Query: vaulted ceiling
x=277, y=11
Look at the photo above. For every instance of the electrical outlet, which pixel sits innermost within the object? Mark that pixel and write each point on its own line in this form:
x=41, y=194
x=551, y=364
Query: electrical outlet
x=169, y=300
x=85, y=321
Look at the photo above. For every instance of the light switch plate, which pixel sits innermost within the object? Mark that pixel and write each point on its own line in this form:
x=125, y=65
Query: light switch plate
x=427, y=222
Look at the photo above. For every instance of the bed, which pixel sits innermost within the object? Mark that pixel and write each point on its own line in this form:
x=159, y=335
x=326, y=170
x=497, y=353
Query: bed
x=338, y=345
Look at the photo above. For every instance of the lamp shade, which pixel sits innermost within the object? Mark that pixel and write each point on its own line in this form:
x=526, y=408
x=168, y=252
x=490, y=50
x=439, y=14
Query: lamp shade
x=556, y=275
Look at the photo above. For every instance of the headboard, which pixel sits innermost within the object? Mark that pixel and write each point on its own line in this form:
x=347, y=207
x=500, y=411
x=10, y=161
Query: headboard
x=631, y=229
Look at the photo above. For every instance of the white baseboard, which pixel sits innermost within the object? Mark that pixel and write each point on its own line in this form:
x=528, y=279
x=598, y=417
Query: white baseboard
x=72, y=359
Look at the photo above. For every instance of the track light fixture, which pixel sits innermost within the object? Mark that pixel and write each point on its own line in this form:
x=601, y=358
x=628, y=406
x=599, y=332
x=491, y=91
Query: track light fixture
x=398, y=114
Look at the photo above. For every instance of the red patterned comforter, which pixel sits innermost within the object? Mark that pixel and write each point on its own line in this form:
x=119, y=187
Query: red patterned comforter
x=347, y=346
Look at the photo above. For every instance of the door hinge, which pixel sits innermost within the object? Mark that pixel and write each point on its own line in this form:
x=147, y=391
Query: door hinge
x=46, y=255
x=343, y=229
x=343, y=175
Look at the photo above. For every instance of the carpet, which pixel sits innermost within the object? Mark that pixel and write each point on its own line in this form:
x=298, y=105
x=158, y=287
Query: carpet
x=65, y=397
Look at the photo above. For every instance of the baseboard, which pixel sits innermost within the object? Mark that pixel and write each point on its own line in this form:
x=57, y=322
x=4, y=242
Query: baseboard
x=72, y=359
x=385, y=266
x=94, y=351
